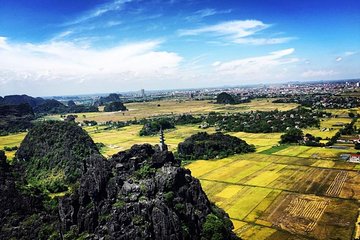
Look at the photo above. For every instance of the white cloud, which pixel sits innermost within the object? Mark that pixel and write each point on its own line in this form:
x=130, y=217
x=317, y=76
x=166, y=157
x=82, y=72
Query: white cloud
x=61, y=62
x=273, y=67
x=256, y=65
x=238, y=31
x=318, y=73
x=263, y=41
x=99, y=11
x=113, y=23
x=200, y=14
x=235, y=29
x=338, y=59
x=349, y=53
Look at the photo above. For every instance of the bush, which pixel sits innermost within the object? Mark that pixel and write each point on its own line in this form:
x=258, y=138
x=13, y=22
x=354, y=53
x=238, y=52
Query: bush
x=169, y=196
x=9, y=149
x=144, y=172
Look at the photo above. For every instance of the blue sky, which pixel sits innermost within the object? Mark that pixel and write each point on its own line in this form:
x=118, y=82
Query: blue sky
x=56, y=47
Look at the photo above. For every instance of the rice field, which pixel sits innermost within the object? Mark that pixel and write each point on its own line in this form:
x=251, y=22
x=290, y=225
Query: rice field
x=170, y=107
x=123, y=138
x=314, y=152
x=278, y=192
x=342, y=112
x=11, y=141
x=335, y=123
x=270, y=196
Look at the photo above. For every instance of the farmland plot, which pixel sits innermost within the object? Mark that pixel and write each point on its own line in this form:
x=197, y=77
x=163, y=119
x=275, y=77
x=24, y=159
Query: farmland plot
x=313, y=216
x=282, y=197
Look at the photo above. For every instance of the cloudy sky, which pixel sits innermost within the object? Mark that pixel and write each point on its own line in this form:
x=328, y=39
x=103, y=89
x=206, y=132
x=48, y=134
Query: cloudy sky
x=57, y=47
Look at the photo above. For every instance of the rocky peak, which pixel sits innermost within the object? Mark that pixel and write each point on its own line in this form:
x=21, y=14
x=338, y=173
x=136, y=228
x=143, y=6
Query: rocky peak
x=141, y=193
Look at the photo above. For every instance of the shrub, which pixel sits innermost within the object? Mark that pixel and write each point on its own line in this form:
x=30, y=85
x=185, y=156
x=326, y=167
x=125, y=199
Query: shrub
x=144, y=171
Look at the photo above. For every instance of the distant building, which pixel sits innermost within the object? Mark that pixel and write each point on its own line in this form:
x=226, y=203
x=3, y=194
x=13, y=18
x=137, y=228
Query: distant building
x=345, y=156
x=354, y=158
x=142, y=93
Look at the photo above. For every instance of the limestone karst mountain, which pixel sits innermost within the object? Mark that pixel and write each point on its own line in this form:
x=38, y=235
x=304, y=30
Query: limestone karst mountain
x=141, y=193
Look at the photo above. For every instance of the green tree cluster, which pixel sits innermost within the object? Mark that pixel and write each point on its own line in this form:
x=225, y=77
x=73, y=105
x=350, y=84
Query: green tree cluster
x=209, y=146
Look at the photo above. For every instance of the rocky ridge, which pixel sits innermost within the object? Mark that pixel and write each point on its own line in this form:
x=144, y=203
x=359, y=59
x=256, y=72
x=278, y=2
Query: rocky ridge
x=142, y=193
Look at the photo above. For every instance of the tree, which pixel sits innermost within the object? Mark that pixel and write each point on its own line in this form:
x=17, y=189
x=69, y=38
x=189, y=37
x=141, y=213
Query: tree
x=292, y=135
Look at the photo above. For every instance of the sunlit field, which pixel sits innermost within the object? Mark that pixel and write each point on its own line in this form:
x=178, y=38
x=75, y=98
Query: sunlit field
x=279, y=192
x=11, y=141
x=273, y=197
x=170, y=107
x=343, y=112
x=123, y=138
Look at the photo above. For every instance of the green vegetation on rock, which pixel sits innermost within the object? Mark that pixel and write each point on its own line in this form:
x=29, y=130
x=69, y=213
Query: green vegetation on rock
x=114, y=106
x=208, y=146
x=53, y=154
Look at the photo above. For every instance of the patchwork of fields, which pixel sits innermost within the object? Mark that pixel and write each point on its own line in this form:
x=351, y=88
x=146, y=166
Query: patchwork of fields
x=283, y=197
x=279, y=192
x=169, y=107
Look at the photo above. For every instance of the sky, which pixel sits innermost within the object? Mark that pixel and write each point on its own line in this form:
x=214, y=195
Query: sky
x=57, y=47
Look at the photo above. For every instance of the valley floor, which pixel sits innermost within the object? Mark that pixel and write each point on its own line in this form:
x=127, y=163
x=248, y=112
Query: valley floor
x=279, y=192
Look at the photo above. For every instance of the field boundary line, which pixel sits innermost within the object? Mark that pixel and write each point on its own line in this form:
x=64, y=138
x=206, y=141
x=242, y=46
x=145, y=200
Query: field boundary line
x=276, y=228
x=292, y=164
x=231, y=162
x=323, y=182
x=313, y=180
x=284, y=190
x=257, y=205
x=294, y=172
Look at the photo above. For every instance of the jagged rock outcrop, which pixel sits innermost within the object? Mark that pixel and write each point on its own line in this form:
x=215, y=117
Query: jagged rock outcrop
x=142, y=193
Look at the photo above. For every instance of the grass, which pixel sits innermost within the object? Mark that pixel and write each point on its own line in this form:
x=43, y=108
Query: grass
x=262, y=141
x=275, y=149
